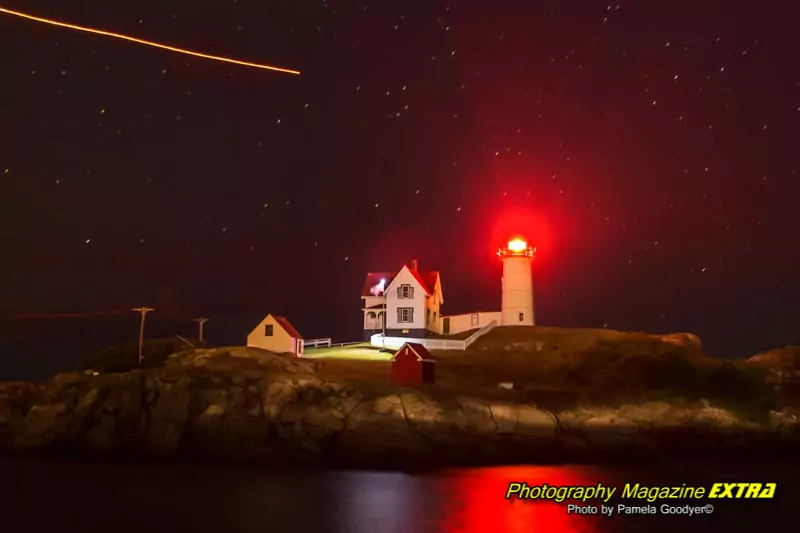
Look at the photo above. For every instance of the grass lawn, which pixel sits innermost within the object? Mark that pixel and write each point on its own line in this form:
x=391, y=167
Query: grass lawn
x=362, y=351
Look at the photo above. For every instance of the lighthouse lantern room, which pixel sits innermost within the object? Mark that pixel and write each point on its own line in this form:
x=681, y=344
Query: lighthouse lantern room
x=517, y=282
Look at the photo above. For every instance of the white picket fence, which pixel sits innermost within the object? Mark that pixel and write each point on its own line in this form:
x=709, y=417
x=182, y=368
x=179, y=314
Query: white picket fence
x=347, y=343
x=480, y=333
x=395, y=343
x=317, y=343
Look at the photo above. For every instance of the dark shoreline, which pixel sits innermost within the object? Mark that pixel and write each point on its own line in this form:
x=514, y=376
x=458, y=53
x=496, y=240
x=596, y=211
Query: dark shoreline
x=756, y=454
x=277, y=412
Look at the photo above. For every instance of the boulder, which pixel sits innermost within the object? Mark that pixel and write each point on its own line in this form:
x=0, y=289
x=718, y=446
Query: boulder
x=276, y=396
x=163, y=437
x=610, y=430
x=100, y=438
x=478, y=417
x=505, y=416
x=535, y=422
x=41, y=418
x=172, y=405
x=378, y=427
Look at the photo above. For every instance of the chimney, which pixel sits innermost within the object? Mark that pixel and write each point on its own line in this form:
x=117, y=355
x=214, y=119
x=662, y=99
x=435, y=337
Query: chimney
x=414, y=264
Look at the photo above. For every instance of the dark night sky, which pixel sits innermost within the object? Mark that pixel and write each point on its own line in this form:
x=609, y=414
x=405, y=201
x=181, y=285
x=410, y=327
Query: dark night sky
x=649, y=149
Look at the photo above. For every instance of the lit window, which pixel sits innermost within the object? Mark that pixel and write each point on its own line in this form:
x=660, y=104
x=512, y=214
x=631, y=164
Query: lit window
x=475, y=319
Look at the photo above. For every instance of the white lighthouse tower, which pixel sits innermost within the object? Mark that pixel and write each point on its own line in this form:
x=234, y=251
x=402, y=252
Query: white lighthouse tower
x=517, y=283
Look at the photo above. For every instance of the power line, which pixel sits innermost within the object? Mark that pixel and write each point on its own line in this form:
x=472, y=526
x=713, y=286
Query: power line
x=66, y=315
x=146, y=43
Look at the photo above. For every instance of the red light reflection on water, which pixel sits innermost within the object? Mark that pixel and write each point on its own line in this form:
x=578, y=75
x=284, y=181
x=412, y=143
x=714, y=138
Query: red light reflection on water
x=475, y=501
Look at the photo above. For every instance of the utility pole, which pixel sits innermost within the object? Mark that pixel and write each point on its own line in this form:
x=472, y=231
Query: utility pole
x=202, y=320
x=143, y=311
x=383, y=327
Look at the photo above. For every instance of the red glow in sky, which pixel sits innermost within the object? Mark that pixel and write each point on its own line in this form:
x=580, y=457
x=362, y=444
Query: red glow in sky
x=527, y=225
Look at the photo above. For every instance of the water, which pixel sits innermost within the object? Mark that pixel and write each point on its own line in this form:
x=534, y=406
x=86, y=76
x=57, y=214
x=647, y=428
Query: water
x=88, y=497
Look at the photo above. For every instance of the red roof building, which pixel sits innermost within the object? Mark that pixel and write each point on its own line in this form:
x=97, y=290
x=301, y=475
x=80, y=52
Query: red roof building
x=413, y=365
x=276, y=334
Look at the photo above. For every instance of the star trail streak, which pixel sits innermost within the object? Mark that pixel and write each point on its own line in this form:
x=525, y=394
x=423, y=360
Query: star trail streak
x=147, y=43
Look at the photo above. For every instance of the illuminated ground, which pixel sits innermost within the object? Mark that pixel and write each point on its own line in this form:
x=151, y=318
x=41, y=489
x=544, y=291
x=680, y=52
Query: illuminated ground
x=361, y=351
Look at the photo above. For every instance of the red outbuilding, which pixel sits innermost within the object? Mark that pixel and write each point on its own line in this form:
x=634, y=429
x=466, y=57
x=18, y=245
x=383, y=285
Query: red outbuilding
x=412, y=365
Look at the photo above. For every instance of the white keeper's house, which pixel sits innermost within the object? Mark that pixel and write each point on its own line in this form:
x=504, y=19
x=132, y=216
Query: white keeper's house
x=408, y=302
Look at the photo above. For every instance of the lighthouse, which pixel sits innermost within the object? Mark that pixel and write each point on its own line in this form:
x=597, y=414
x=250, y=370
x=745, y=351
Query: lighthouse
x=517, y=282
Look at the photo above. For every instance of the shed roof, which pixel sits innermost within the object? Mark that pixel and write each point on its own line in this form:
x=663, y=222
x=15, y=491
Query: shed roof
x=287, y=327
x=419, y=350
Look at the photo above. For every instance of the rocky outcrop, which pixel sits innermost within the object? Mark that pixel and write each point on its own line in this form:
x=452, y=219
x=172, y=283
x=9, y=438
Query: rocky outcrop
x=242, y=404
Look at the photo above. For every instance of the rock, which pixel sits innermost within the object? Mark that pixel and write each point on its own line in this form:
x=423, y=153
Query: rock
x=275, y=408
x=67, y=378
x=534, y=422
x=172, y=405
x=5, y=412
x=214, y=400
x=214, y=410
x=421, y=411
x=238, y=399
x=610, y=430
x=100, y=437
x=687, y=340
x=42, y=418
x=163, y=436
x=478, y=417
x=276, y=396
x=505, y=416
x=318, y=423
x=716, y=417
x=88, y=400
x=378, y=427
x=654, y=415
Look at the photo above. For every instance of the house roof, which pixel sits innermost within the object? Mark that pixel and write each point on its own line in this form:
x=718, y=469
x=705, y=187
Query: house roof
x=287, y=327
x=373, y=278
x=419, y=350
x=426, y=278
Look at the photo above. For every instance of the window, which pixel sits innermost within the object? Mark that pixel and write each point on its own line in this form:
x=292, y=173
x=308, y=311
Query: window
x=405, y=315
x=268, y=330
x=522, y=317
x=475, y=319
x=405, y=291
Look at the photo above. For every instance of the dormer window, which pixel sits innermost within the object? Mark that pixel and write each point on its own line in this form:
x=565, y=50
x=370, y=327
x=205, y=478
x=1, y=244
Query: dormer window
x=405, y=291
